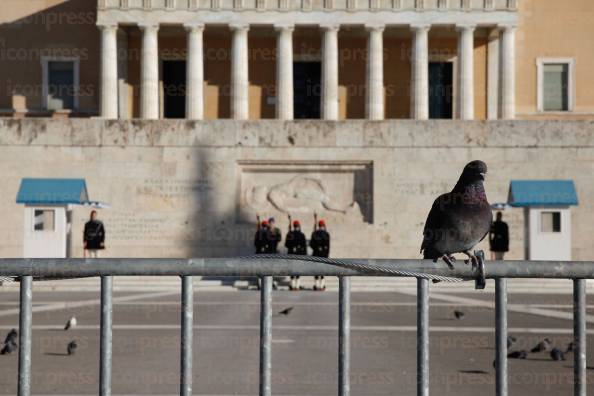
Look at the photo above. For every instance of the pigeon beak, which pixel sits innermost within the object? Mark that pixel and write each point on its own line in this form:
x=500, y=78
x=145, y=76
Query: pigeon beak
x=483, y=175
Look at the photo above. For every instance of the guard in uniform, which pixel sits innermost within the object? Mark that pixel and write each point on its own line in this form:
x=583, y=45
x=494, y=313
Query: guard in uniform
x=296, y=244
x=320, y=244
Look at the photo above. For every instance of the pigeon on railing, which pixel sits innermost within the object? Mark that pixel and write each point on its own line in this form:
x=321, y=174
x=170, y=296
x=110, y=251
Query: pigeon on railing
x=460, y=219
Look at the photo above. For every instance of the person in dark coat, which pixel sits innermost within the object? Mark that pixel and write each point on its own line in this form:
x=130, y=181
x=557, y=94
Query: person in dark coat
x=274, y=236
x=93, y=236
x=499, y=238
x=320, y=244
x=261, y=237
x=296, y=244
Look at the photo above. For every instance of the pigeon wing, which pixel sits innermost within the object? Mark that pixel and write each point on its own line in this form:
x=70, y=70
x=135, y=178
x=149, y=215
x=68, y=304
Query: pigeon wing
x=433, y=223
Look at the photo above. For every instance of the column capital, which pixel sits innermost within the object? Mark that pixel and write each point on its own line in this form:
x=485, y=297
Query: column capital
x=330, y=27
x=420, y=27
x=148, y=26
x=465, y=27
x=239, y=27
x=375, y=27
x=107, y=26
x=289, y=27
x=194, y=26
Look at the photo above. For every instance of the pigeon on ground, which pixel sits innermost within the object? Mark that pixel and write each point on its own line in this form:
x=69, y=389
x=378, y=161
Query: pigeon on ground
x=286, y=311
x=517, y=355
x=459, y=315
x=557, y=355
x=72, y=347
x=11, y=337
x=70, y=324
x=460, y=219
x=569, y=347
x=8, y=348
x=511, y=340
x=544, y=345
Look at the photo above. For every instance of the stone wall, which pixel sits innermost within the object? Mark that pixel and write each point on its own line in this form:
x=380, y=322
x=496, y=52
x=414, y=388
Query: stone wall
x=180, y=188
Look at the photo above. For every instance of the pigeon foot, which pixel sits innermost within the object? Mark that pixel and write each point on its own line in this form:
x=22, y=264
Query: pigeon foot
x=449, y=260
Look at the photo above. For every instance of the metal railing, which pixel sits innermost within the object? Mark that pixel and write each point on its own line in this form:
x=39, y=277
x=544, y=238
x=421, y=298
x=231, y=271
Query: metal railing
x=28, y=269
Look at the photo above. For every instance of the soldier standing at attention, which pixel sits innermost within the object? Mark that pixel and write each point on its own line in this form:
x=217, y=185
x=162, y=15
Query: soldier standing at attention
x=274, y=236
x=261, y=237
x=297, y=245
x=320, y=244
x=499, y=238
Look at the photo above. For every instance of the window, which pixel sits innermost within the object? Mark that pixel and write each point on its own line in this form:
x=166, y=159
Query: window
x=60, y=83
x=44, y=220
x=550, y=222
x=555, y=85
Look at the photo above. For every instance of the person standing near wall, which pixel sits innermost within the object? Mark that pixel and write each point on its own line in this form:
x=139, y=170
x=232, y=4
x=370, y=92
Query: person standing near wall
x=320, y=244
x=499, y=238
x=93, y=236
x=296, y=244
x=274, y=236
x=261, y=236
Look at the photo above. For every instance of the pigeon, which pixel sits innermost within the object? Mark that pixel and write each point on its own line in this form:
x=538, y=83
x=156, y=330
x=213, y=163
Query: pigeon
x=72, y=347
x=569, y=347
x=557, y=355
x=544, y=345
x=11, y=337
x=459, y=315
x=286, y=311
x=511, y=340
x=70, y=324
x=460, y=219
x=517, y=355
x=8, y=348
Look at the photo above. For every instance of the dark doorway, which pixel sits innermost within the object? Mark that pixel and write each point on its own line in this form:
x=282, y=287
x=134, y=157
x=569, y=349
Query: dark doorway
x=174, y=88
x=307, y=87
x=441, y=76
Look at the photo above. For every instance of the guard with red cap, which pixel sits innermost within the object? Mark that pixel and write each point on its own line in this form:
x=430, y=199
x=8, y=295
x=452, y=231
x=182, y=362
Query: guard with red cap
x=297, y=245
x=261, y=237
x=320, y=244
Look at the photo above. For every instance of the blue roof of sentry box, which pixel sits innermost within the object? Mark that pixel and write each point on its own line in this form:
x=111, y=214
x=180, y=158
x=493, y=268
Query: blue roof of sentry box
x=542, y=193
x=52, y=192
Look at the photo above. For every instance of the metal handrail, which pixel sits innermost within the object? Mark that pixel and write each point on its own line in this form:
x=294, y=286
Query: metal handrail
x=28, y=269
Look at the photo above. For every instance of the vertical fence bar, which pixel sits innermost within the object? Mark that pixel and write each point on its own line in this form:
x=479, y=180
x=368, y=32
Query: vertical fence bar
x=25, y=319
x=579, y=337
x=106, y=336
x=422, y=337
x=187, y=324
x=501, y=336
x=344, y=335
x=265, y=336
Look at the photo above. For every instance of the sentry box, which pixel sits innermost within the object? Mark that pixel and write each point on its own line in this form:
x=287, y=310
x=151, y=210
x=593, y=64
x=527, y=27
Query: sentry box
x=547, y=216
x=48, y=215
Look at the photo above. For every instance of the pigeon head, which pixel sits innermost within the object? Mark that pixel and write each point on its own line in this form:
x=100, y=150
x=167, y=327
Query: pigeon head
x=473, y=171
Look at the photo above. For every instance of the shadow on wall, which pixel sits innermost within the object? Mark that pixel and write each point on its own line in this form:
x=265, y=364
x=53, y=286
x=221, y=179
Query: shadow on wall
x=213, y=229
x=30, y=36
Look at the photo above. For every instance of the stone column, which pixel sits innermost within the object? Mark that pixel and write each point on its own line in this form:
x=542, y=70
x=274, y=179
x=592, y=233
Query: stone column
x=239, y=72
x=493, y=75
x=330, y=72
x=508, y=72
x=123, y=82
x=375, y=73
x=466, y=72
x=195, y=72
x=284, y=72
x=420, y=72
x=109, y=71
x=149, y=72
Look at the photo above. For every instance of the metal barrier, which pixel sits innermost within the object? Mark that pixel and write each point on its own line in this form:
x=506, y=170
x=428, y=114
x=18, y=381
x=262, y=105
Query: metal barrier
x=28, y=269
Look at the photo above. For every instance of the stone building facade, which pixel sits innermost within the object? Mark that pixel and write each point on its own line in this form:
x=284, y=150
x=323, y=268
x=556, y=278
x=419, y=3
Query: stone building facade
x=291, y=107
